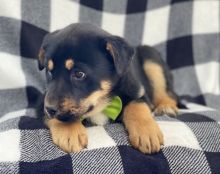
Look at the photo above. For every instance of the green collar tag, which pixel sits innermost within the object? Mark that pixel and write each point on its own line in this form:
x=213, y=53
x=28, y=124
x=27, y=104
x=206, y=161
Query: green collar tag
x=114, y=108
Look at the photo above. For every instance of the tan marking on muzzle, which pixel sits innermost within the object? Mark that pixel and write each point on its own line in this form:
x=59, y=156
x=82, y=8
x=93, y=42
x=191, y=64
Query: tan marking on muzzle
x=68, y=105
x=98, y=98
x=69, y=64
x=50, y=65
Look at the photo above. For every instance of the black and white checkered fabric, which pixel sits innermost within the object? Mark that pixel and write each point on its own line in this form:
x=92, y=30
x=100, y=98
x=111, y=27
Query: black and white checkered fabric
x=187, y=33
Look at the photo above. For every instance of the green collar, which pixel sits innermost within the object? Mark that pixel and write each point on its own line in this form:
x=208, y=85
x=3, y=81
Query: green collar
x=114, y=108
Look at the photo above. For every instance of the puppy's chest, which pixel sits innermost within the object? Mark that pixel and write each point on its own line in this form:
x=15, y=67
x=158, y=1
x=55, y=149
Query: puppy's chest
x=99, y=119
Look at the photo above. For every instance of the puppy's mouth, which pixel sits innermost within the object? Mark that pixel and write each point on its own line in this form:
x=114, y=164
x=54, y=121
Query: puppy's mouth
x=66, y=117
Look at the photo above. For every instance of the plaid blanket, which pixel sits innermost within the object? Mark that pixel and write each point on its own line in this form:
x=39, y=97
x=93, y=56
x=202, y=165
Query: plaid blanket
x=187, y=35
x=192, y=145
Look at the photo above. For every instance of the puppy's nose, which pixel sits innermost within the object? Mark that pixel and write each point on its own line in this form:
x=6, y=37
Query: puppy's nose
x=65, y=117
x=51, y=111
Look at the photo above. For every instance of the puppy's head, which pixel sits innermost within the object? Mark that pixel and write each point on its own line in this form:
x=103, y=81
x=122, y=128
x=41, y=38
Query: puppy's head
x=83, y=63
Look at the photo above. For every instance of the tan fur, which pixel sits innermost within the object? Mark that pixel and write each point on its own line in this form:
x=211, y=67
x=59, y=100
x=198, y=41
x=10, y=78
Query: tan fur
x=109, y=47
x=69, y=63
x=95, y=96
x=105, y=86
x=68, y=105
x=164, y=104
x=98, y=99
x=156, y=76
x=144, y=133
x=70, y=137
x=41, y=56
x=50, y=65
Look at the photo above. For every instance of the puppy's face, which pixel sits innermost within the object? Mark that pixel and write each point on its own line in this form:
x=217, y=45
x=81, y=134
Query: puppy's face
x=83, y=64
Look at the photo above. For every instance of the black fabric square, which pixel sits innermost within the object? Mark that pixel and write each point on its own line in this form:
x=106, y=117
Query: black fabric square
x=57, y=166
x=194, y=117
x=194, y=99
x=214, y=161
x=98, y=4
x=30, y=123
x=136, y=6
x=31, y=39
x=179, y=52
x=136, y=162
x=179, y=1
x=34, y=96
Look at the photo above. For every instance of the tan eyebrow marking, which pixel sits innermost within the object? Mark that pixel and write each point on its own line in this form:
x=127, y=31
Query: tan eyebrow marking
x=50, y=65
x=69, y=64
x=109, y=47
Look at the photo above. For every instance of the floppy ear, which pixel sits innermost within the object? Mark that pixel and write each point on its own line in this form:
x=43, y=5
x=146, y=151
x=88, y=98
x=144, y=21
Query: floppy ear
x=120, y=51
x=42, y=52
x=41, y=59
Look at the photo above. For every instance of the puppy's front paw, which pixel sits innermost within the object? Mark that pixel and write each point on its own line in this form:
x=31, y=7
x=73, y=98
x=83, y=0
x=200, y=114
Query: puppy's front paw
x=162, y=109
x=146, y=137
x=166, y=105
x=144, y=133
x=70, y=137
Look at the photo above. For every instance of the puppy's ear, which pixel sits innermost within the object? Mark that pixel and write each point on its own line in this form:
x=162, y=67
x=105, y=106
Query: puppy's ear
x=120, y=51
x=42, y=53
x=41, y=59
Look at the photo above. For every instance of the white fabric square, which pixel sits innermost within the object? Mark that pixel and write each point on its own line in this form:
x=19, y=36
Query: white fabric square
x=156, y=26
x=193, y=107
x=63, y=13
x=13, y=114
x=9, y=146
x=208, y=77
x=11, y=72
x=205, y=17
x=11, y=9
x=98, y=138
x=113, y=23
x=178, y=134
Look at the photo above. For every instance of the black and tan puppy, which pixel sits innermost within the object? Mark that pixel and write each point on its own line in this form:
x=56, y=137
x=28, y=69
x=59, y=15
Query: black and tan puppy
x=86, y=67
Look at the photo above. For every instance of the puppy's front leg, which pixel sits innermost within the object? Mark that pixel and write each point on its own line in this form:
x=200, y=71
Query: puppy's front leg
x=144, y=133
x=70, y=137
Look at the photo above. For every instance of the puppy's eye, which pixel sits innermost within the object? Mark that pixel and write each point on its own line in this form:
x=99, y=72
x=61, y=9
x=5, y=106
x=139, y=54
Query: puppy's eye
x=78, y=75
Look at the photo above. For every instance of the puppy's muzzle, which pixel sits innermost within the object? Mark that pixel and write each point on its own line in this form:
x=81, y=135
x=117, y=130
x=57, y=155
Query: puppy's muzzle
x=66, y=115
x=53, y=112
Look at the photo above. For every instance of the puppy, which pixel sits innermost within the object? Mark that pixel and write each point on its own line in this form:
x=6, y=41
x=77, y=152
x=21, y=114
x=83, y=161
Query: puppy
x=85, y=68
